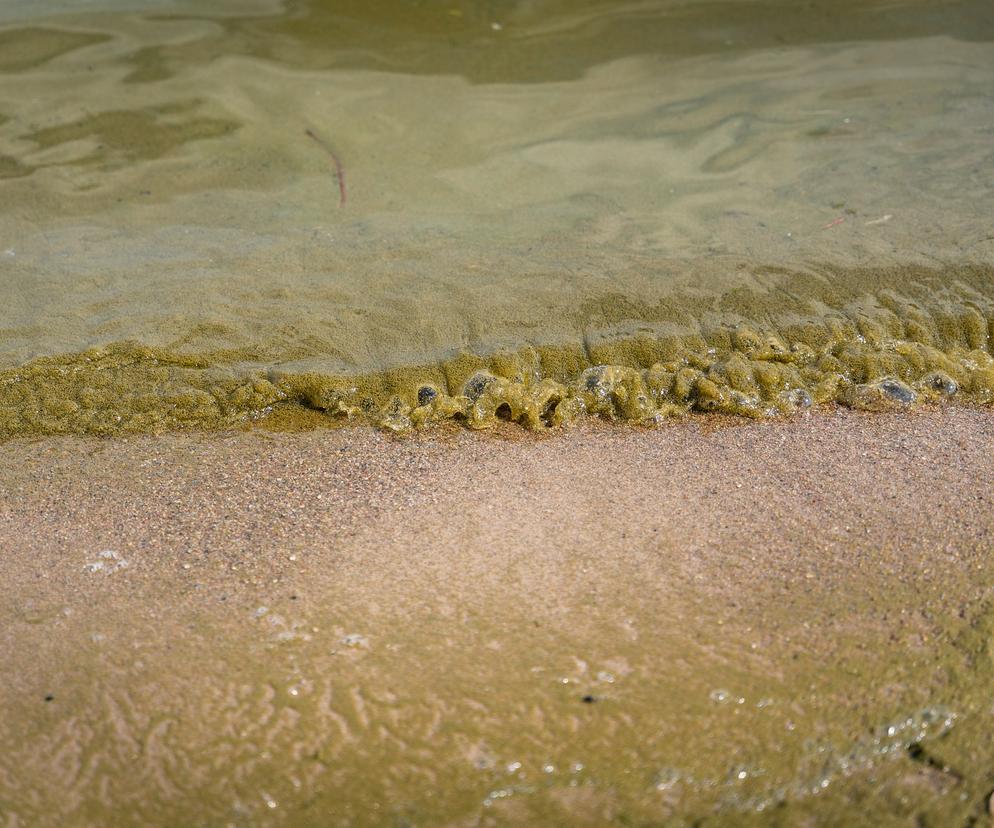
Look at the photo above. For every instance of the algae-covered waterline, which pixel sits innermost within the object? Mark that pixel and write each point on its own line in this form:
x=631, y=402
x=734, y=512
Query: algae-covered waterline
x=309, y=213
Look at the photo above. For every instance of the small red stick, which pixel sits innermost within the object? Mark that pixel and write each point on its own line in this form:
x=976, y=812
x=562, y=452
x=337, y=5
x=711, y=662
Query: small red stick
x=339, y=169
x=832, y=223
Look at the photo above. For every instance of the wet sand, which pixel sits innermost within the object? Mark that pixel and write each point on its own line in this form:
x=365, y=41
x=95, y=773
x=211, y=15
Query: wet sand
x=711, y=621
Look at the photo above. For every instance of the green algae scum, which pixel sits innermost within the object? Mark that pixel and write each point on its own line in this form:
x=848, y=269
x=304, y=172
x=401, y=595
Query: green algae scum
x=265, y=216
x=882, y=353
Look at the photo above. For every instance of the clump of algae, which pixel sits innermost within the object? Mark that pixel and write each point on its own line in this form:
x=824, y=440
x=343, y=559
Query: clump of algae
x=875, y=364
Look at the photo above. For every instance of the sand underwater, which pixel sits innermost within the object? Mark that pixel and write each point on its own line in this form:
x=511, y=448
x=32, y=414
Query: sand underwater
x=462, y=413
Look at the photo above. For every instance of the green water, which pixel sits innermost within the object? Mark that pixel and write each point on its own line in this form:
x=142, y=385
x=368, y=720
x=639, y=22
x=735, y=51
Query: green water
x=303, y=213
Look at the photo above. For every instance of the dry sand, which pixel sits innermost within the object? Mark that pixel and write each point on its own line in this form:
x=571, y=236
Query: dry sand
x=706, y=621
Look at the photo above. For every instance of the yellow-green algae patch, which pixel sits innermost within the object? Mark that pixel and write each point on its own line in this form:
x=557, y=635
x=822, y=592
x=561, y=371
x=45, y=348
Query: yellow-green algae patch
x=880, y=355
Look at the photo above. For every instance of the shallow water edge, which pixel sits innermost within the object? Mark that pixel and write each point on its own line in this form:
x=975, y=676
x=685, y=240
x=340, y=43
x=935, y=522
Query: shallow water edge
x=872, y=339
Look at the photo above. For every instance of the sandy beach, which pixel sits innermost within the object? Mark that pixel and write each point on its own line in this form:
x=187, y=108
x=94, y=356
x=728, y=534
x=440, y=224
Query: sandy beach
x=711, y=622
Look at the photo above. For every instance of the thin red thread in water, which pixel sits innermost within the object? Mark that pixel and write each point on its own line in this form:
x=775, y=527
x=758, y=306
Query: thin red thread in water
x=339, y=169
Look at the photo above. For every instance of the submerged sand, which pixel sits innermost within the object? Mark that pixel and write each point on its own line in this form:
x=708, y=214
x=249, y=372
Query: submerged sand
x=710, y=622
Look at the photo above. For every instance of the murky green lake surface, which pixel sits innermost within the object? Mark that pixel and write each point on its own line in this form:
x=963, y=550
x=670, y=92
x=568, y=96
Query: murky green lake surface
x=312, y=210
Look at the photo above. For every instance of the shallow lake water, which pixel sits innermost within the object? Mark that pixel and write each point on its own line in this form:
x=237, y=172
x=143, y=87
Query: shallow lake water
x=310, y=212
